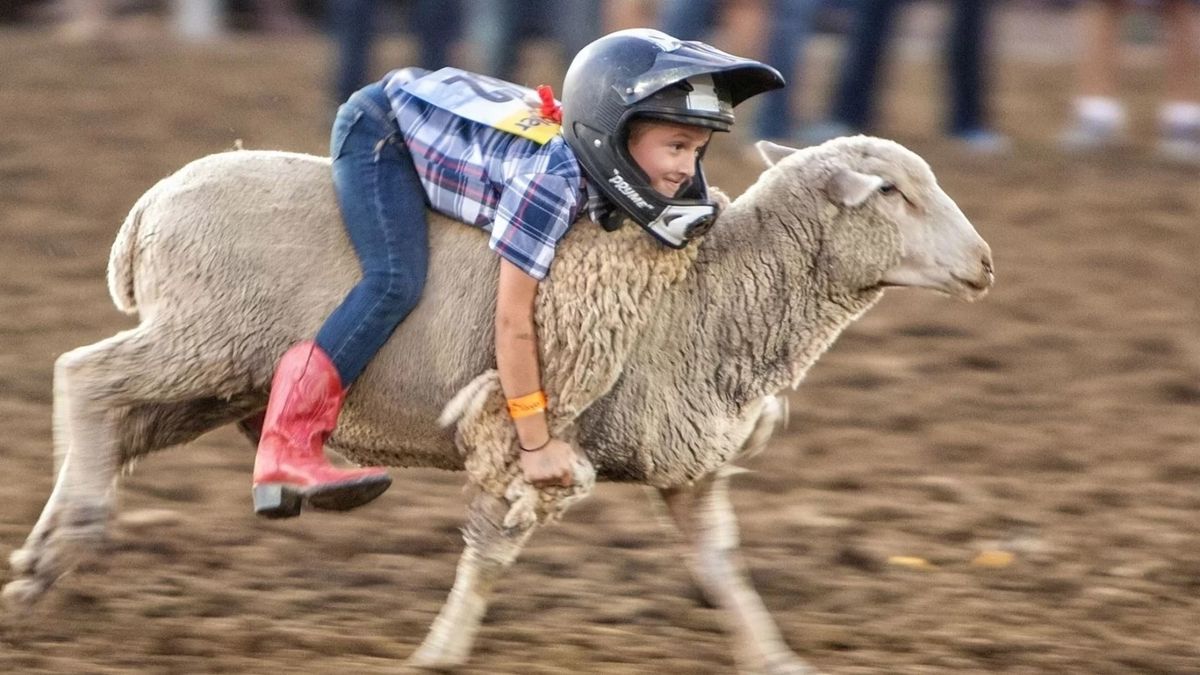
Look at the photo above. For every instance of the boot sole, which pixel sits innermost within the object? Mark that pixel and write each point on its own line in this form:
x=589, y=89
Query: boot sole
x=280, y=500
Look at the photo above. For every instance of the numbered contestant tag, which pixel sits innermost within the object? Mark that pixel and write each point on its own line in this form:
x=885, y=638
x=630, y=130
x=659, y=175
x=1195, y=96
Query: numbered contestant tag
x=486, y=100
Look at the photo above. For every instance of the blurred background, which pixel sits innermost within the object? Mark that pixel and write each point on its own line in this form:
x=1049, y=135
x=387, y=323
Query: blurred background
x=1038, y=452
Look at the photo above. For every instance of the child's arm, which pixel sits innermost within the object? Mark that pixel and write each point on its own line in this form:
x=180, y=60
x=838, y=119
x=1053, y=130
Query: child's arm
x=517, y=362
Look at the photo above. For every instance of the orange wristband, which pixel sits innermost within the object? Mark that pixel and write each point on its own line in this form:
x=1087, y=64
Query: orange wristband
x=529, y=404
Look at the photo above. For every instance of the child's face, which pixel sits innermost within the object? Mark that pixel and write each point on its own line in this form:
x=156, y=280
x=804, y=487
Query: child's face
x=667, y=152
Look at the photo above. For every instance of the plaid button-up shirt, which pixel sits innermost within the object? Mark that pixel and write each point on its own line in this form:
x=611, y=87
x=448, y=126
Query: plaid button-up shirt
x=526, y=195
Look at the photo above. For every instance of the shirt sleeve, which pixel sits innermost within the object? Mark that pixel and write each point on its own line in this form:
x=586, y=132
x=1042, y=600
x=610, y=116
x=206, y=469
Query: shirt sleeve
x=534, y=212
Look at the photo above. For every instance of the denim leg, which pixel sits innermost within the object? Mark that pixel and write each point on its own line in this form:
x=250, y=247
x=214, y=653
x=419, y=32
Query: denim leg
x=687, y=19
x=854, y=99
x=353, y=28
x=383, y=206
x=966, y=54
x=791, y=23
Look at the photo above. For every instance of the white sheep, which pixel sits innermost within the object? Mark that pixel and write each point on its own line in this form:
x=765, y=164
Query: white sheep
x=661, y=365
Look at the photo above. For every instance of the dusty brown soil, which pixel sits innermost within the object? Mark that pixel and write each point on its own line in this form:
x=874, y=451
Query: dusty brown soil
x=1058, y=420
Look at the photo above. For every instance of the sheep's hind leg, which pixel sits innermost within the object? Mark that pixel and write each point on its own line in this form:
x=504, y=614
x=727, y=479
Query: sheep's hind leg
x=104, y=415
x=490, y=550
x=705, y=518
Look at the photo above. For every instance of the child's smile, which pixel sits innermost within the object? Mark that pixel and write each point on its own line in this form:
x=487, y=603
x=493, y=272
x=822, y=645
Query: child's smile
x=667, y=152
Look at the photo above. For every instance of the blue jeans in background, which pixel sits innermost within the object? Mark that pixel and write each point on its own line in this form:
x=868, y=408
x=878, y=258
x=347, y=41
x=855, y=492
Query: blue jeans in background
x=384, y=207
x=966, y=47
x=789, y=25
x=498, y=28
x=433, y=23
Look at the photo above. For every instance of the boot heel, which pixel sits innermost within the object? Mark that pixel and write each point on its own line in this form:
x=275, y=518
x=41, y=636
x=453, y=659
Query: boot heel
x=274, y=500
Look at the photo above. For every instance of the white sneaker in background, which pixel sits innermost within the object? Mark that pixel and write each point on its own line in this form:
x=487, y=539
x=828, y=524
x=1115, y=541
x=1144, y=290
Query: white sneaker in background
x=1099, y=124
x=1179, y=132
x=983, y=141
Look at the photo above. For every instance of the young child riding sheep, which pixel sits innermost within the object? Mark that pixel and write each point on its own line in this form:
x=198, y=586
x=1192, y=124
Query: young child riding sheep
x=639, y=108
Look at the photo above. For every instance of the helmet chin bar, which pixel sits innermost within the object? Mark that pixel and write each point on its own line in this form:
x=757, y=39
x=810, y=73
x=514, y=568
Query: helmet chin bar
x=678, y=219
x=677, y=224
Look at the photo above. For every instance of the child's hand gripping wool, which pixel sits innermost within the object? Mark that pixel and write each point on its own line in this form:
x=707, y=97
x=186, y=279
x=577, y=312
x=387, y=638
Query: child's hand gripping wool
x=590, y=314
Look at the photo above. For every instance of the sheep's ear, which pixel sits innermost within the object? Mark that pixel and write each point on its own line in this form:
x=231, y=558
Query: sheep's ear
x=851, y=188
x=772, y=153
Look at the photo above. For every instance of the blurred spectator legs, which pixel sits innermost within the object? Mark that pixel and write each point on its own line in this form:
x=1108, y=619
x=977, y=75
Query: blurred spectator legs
x=577, y=24
x=622, y=14
x=198, y=20
x=434, y=24
x=1099, y=115
x=86, y=20
x=495, y=27
x=100, y=20
x=500, y=27
x=353, y=22
x=786, y=24
x=353, y=25
x=1179, y=116
x=688, y=19
x=279, y=17
x=853, y=108
x=968, y=46
x=966, y=68
x=789, y=25
x=854, y=99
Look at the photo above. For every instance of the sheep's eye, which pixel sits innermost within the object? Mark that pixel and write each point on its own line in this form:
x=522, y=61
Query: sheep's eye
x=887, y=189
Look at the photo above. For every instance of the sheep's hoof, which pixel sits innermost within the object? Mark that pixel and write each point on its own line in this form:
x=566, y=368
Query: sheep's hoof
x=20, y=595
x=788, y=664
x=426, y=659
x=22, y=562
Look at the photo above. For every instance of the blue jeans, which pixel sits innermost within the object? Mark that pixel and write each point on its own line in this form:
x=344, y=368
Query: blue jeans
x=383, y=205
x=790, y=23
x=966, y=49
x=434, y=24
x=499, y=27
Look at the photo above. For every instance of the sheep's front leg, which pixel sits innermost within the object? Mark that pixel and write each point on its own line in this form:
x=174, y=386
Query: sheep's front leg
x=704, y=516
x=490, y=549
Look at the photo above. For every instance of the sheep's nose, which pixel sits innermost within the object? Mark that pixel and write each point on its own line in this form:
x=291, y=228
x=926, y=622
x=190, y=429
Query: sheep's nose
x=986, y=277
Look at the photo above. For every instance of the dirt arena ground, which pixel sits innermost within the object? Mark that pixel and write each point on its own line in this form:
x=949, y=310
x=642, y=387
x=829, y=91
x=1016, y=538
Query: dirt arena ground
x=1058, y=421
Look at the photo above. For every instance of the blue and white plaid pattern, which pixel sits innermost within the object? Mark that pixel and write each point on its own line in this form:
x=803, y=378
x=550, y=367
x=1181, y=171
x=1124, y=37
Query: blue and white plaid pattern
x=526, y=195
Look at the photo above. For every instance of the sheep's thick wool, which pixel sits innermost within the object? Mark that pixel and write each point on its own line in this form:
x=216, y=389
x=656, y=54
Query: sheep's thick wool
x=591, y=310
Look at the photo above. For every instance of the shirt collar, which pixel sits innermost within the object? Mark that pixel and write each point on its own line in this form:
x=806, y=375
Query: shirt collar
x=595, y=203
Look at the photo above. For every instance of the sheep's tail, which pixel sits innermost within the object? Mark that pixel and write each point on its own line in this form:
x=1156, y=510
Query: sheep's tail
x=470, y=398
x=122, y=258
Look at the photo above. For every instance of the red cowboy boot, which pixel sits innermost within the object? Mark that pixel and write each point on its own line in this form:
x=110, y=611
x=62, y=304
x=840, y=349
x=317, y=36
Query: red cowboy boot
x=291, y=468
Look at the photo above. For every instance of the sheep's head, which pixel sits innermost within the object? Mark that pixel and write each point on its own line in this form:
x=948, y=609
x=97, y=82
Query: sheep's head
x=891, y=224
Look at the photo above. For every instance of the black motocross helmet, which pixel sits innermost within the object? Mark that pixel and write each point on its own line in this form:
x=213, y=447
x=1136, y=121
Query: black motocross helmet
x=647, y=73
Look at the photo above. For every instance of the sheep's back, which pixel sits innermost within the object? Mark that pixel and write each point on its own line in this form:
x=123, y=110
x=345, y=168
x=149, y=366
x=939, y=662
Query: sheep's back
x=243, y=254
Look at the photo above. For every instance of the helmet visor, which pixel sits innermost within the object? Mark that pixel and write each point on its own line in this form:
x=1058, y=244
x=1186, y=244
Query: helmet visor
x=737, y=78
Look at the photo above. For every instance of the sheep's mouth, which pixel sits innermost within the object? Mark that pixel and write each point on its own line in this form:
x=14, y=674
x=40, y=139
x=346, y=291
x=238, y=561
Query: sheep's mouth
x=969, y=289
x=973, y=289
x=886, y=284
x=880, y=286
